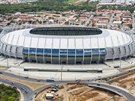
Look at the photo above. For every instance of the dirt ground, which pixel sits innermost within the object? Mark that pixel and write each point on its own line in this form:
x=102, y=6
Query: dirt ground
x=33, y=85
x=2, y=67
x=80, y=92
x=126, y=82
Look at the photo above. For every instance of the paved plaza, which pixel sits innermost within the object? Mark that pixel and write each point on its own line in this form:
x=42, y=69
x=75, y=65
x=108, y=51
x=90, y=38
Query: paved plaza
x=70, y=72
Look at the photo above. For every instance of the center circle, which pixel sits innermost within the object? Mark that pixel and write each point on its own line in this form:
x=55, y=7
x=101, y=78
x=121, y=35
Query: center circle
x=65, y=31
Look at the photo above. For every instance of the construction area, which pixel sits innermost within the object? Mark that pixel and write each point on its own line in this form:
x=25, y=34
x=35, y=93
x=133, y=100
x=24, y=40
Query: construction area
x=81, y=92
x=126, y=81
x=78, y=92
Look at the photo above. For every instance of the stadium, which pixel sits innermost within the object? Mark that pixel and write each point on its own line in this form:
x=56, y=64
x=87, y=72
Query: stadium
x=66, y=45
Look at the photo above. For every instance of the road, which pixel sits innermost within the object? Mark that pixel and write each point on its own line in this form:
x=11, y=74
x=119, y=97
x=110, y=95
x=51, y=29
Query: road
x=111, y=21
x=3, y=71
x=25, y=1
x=114, y=89
x=26, y=91
x=87, y=22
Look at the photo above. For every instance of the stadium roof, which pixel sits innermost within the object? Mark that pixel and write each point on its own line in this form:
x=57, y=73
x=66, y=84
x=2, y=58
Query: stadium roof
x=108, y=38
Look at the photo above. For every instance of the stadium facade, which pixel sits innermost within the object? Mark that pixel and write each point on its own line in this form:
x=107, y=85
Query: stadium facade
x=66, y=45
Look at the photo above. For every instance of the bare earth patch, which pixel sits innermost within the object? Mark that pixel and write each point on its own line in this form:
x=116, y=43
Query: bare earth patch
x=80, y=92
x=127, y=82
x=33, y=85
